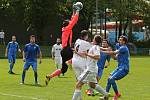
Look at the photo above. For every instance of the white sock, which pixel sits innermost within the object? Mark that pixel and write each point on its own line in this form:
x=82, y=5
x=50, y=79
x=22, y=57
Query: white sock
x=77, y=94
x=101, y=90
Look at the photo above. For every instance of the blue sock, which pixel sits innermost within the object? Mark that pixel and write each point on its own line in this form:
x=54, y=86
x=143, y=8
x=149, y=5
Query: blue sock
x=108, y=85
x=11, y=67
x=114, y=85
x=23, y=76
x=112, y=82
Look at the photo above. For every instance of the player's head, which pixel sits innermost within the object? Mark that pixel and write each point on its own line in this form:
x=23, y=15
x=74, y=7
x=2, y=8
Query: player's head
x=84, y=34
x=123, y=40
x=32, y=39
x=65, y=22
x=58, y=41
x=104, y=43
x=13, y=38
x=97, y=40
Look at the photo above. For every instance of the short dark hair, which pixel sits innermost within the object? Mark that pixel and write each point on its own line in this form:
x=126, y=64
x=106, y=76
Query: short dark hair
x=105, y=40
x=32, y=36
x=13, y=36
x=84, y=33
x=65, y=22
x=98, y=39
x=125, y=38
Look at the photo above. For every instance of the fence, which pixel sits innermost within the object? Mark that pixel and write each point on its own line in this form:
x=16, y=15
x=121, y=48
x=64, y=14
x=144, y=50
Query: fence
x=46, y=51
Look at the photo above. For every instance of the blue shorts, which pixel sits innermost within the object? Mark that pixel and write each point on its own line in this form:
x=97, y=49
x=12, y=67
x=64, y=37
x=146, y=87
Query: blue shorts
x=118, y=73
x=11, y=58
x=100, y=72
x=28, y=64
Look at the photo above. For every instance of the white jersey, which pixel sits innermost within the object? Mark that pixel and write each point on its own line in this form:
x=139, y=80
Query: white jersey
x=78, y=62
x=2, y=35
x=81, y=46
x=56, y=49
x=92, y=63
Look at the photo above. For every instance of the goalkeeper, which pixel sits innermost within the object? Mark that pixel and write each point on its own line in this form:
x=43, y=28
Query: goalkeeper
x=67, y=52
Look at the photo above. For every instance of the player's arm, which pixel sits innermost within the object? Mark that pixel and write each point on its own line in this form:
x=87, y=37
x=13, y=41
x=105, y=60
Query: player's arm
x=6, y=51
x=78, y=53
x=39, y=54
x=53, y=52
x=93, y=56
x=23, y=55
x=107, y=61
x=74, y=20
x=19, y=50
x=40, y=57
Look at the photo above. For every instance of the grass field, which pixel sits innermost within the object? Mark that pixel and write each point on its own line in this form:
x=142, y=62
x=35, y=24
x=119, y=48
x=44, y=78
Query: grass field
x=136, y=86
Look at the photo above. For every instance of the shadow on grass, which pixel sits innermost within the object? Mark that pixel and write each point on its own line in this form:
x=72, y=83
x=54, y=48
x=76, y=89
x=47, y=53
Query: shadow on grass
x=101, y=95
x=38, y=85
x=15, y=74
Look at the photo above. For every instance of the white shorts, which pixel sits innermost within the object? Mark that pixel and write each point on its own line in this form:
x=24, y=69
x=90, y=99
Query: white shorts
x=78, y=68
x=88, y=76
x=58, y=61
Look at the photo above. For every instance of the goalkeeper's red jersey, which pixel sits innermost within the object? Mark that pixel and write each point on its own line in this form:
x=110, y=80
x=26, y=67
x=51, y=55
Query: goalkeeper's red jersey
x=67, y=32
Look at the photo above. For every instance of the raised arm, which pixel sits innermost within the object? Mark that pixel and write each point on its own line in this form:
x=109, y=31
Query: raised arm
x=73, y=20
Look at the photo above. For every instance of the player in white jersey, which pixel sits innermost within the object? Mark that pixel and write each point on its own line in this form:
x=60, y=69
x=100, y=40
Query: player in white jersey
x=90, y=74
x=81, y=45
x=2, y=37
x=56, y=53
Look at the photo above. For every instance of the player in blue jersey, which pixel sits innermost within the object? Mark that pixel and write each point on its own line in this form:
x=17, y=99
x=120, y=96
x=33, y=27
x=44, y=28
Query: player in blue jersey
x=11, y=51
x=30, y=54
x=103, y=62
x=122, y=56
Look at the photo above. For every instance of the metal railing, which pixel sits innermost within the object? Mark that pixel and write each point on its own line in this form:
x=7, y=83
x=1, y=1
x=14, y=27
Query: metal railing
x=46, y=51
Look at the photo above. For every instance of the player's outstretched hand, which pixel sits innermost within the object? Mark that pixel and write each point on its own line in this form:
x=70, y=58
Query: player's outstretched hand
x=77, y=6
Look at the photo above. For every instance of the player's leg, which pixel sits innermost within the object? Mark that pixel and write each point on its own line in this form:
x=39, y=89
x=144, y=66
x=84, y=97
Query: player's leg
x=66, y=54
x=81, y=80
x=108, y=82
x=100, y=73
x=26, y=67
x=117, y=76
x=93, y=83
x=34, y=67
x=77, y=93
x=56, y=62
x=11, y=63
x=14, y=61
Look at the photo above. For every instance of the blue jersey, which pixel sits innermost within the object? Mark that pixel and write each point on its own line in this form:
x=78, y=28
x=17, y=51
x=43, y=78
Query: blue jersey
x=123, y=57
x=31, y=52
x=12, y=48
x=102, y=60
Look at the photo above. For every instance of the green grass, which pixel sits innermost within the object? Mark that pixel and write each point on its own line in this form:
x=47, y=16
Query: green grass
x=136, y=86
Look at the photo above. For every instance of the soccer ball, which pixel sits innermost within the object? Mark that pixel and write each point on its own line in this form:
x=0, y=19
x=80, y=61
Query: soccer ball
x=78, y=6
